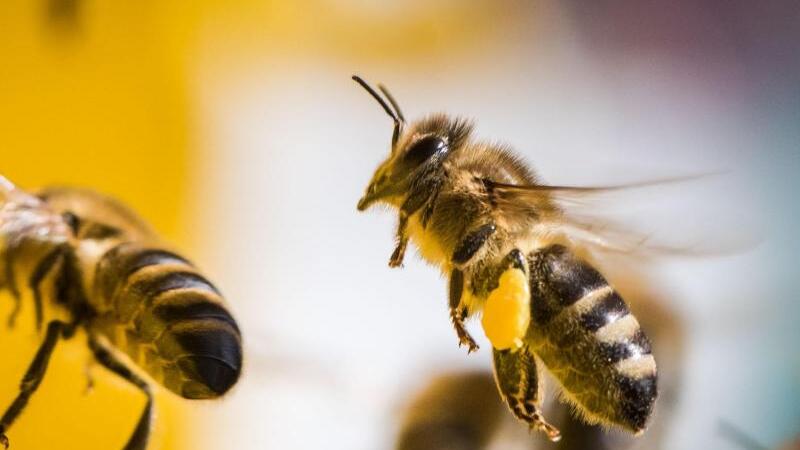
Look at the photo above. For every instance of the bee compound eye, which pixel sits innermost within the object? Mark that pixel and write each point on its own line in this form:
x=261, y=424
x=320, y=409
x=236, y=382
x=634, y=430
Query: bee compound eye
x=424, y=149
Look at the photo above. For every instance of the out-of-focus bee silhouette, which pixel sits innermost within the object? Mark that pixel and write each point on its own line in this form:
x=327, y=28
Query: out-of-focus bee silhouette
x=87, y=262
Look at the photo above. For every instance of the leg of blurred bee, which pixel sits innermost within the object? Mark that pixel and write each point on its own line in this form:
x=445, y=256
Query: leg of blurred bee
x=458, y=312
x=138, y=440
x=12, y=286
x=402, y=242
x=517, y=379
x=89, y=379
x=33, y=377
x=39, y=274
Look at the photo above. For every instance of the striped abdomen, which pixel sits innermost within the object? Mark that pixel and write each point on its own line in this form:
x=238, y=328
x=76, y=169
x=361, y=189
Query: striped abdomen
x=154, y=306
x=585, y=334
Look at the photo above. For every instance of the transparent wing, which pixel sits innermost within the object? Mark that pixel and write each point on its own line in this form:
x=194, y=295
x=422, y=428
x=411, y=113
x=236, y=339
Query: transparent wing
x=684, y=216
x=24, y=217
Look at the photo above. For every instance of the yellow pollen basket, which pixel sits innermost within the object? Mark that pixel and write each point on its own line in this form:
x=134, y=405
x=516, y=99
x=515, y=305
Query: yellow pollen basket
x=507, y=313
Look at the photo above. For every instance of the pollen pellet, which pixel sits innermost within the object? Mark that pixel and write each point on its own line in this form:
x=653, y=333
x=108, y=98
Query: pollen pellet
x=507, y=311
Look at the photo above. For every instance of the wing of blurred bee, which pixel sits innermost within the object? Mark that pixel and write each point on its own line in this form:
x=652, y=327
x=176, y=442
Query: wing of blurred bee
x=25, y=219
x=590, y=217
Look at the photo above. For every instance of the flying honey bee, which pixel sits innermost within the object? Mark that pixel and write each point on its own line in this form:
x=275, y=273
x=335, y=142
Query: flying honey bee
x=505, y=241
x=89, y=262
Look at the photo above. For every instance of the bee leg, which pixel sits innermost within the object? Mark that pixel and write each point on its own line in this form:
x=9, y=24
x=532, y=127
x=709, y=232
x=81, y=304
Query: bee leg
x=517, y=380
x=39, y=274
x=427, y=212
x=402, y=242
x=506, y=312
x=471, y=243
x=138, y=440
x=459, y=312
x=89, y=378
x=34, y=376
x=12, y=286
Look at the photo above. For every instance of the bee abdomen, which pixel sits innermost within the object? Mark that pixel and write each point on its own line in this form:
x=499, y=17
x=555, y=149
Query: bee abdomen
x=171, y=320
x=590, y=340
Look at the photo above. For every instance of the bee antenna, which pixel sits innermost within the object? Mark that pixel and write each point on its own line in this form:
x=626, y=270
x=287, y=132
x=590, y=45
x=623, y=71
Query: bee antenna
x=391, y=99
x=382, y=102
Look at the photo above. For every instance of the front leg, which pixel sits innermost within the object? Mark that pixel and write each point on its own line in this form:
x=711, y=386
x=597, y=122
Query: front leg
x=459, y=312
x=517, y=380
x=402, y=241
x=420, y=197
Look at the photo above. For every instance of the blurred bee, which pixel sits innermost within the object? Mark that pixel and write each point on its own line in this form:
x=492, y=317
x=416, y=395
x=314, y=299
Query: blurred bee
x=505, y=241
x=89, y=262
x=454, y=411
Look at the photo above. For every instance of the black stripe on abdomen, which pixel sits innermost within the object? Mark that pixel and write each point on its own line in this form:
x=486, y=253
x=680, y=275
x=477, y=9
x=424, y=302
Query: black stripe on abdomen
x=139, y=293
x=570, y=278
x=605, y=311
x=614, y=352
x=170, y=280
x=187, y=305
x=149, y=257
x=122, y=261
x=558, y=280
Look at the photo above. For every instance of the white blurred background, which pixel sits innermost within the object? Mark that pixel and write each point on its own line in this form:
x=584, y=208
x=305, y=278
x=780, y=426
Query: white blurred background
x=589, y=94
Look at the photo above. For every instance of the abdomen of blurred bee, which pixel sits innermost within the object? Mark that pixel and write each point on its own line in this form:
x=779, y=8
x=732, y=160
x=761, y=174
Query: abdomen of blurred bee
x=153, y=305
x=585, y=334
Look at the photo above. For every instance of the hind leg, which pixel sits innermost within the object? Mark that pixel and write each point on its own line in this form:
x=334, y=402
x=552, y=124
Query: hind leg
x=141, y=434
x=506, y=314
x=517, y=378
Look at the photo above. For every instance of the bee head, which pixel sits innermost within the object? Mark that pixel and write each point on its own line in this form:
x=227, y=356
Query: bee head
x=417, y=152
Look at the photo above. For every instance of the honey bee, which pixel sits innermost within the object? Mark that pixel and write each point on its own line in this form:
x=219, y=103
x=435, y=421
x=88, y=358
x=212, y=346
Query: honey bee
x=505, y=241
x=90, y=263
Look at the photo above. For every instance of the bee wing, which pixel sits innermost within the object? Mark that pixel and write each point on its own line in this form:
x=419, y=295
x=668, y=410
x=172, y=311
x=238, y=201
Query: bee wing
x=598, y=217
x=26, y=217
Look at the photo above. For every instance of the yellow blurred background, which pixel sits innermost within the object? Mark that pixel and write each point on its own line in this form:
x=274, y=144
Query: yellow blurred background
x=93, y=94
